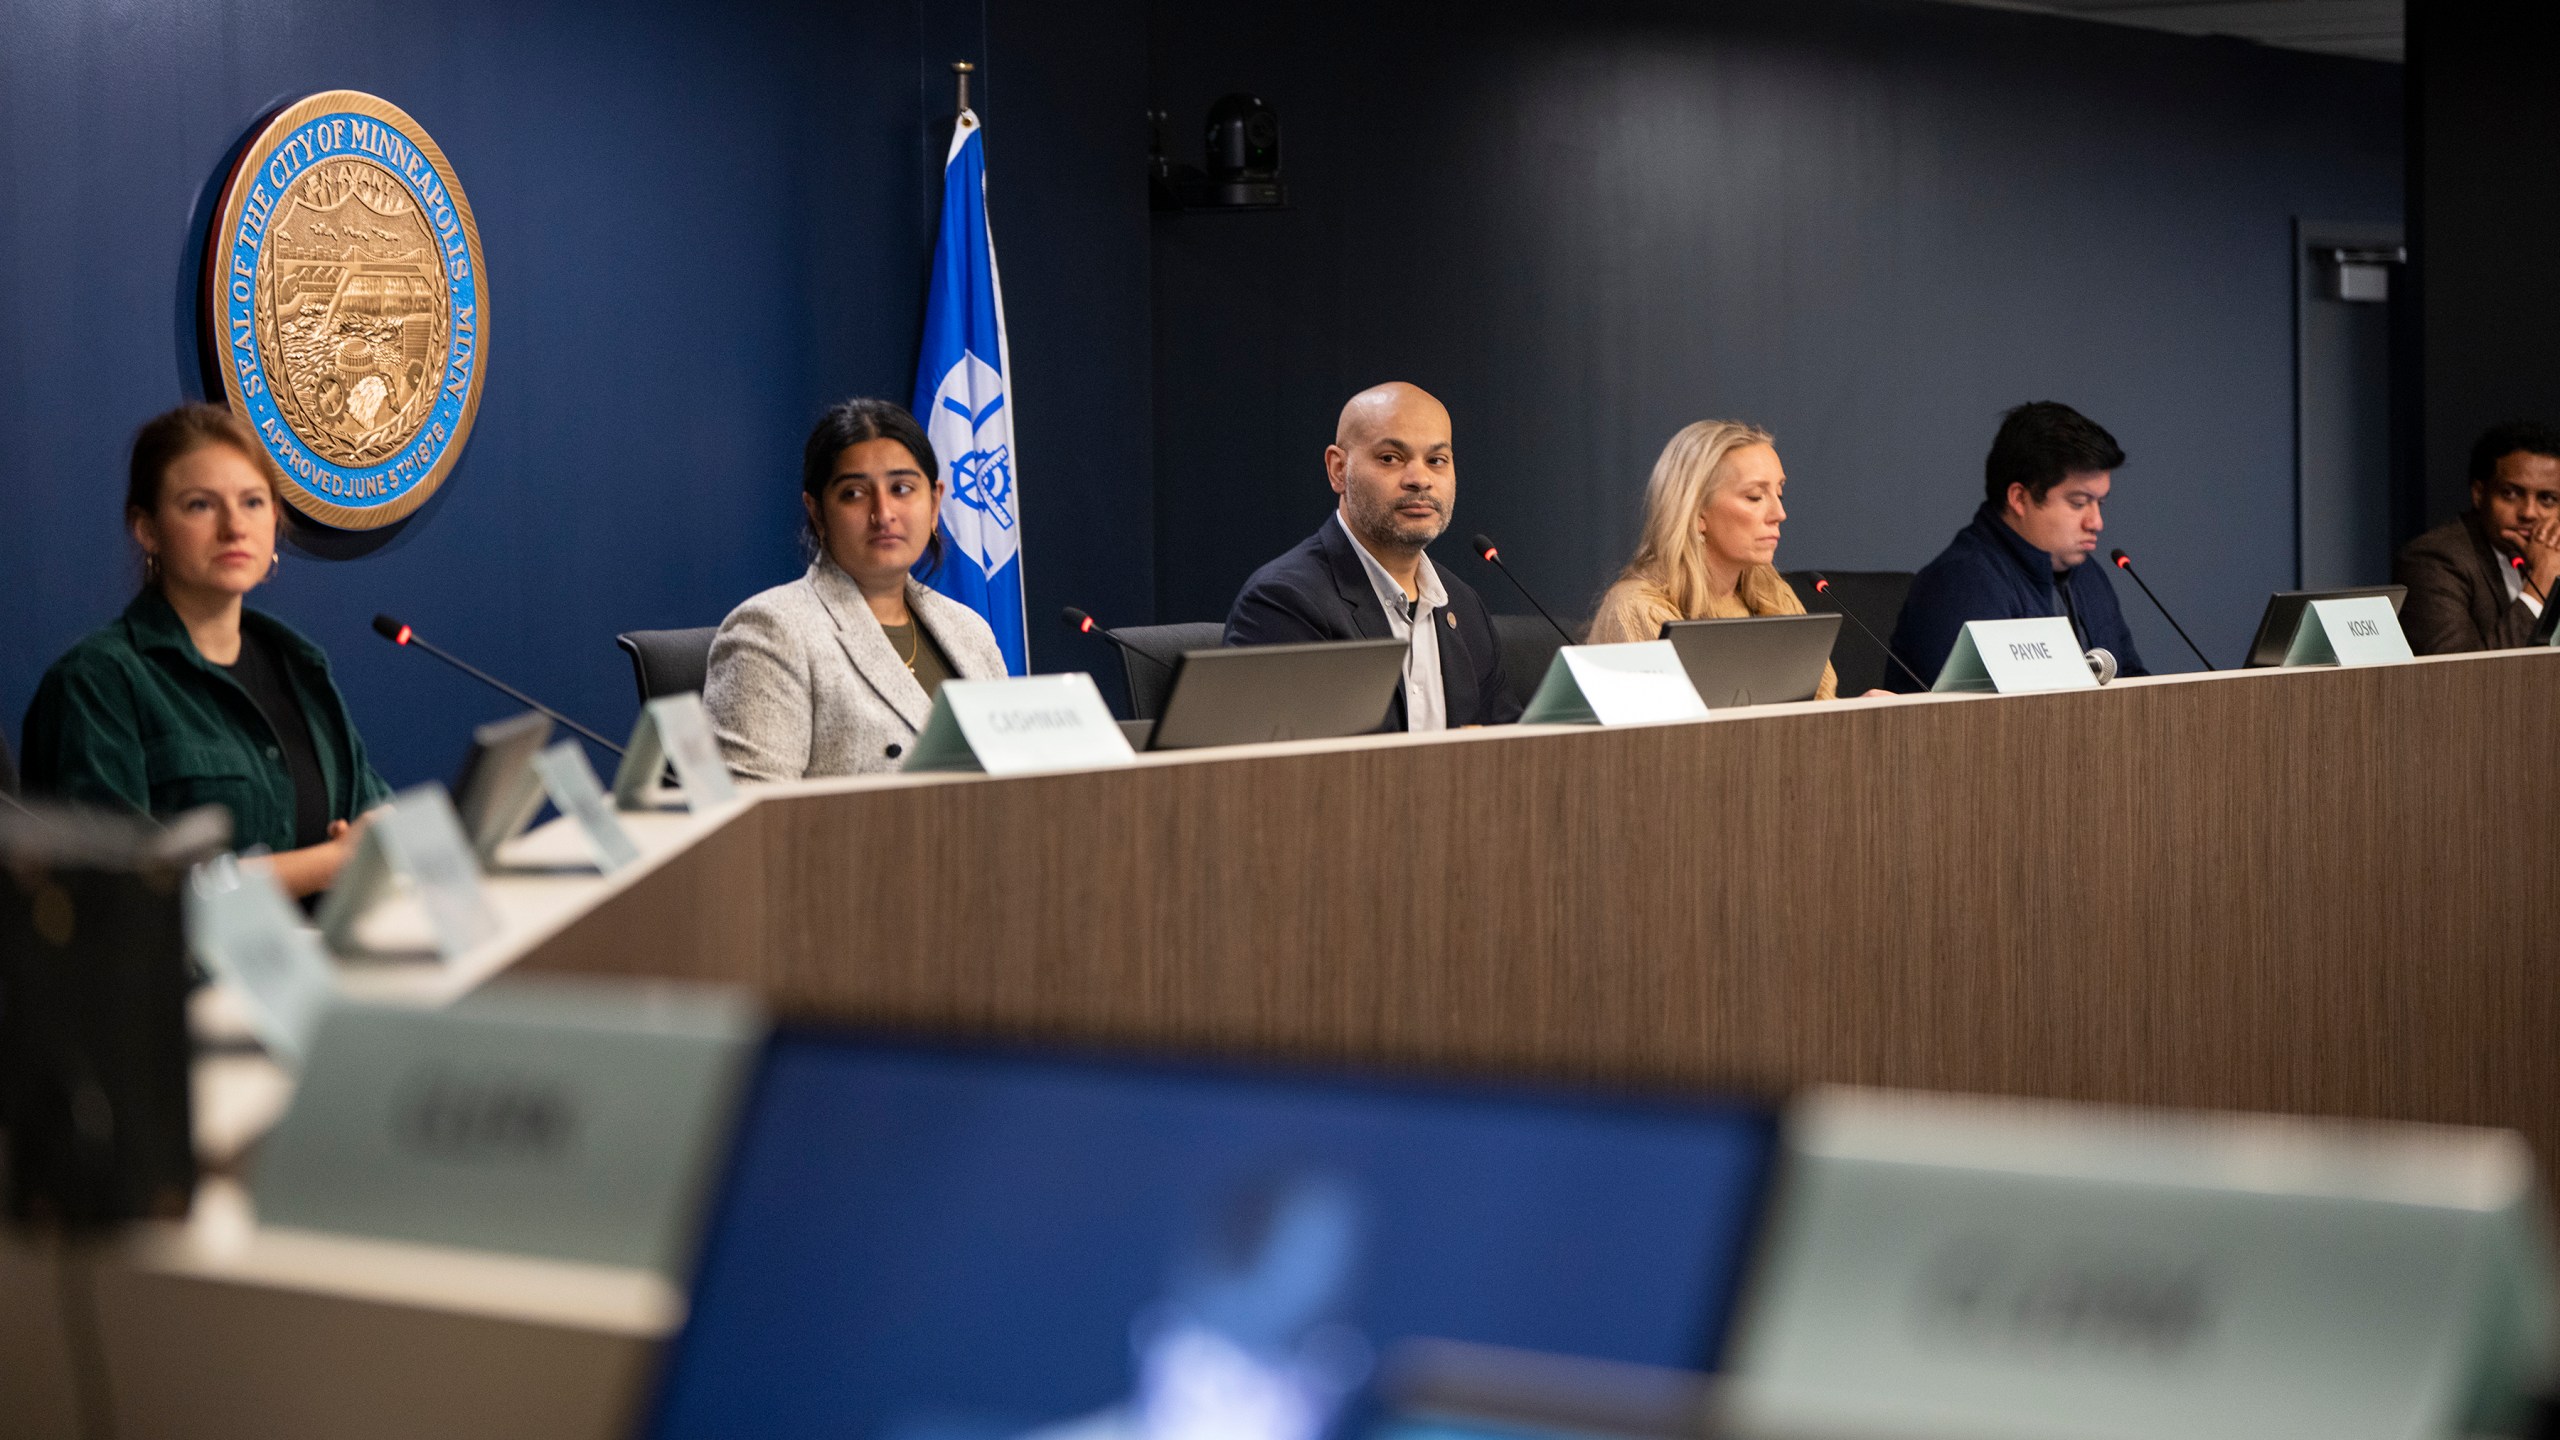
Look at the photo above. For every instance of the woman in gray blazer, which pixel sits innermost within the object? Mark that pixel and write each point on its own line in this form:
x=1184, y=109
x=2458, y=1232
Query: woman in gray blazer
x=834, y=673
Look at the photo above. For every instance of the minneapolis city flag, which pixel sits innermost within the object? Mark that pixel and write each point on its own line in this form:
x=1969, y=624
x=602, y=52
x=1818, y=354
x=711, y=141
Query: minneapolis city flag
x=964, y=384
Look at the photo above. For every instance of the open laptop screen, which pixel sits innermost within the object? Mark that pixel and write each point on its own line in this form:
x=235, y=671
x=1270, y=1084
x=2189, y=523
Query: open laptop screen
x=922, y=1244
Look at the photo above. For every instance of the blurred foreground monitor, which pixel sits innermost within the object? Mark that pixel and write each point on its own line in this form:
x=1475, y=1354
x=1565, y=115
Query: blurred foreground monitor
x=936, y=1244
x=94, y=975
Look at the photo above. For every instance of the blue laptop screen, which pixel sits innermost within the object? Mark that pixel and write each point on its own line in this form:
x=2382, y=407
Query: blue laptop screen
x=922, y=1244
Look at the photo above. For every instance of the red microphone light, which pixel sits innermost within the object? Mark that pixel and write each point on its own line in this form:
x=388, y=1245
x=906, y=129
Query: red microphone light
x=1821, y=584
x=2123, y=561
x=402, y=638
x=1085, y=626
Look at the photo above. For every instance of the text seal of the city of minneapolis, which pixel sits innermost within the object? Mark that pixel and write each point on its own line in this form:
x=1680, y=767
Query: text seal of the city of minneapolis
x=345, y=305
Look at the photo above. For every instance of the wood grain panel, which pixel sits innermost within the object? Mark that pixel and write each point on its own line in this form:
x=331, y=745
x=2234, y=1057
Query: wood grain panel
x=2306, y=891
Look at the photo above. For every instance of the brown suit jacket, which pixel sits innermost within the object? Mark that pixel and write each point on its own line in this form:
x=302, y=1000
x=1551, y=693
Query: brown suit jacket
x=2457, y=601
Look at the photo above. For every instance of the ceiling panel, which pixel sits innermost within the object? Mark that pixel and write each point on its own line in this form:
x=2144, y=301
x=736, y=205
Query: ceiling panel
x=2366, y=29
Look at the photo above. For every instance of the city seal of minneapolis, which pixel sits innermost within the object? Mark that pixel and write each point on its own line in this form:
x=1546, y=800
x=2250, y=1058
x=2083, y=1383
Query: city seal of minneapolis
x=346, y=311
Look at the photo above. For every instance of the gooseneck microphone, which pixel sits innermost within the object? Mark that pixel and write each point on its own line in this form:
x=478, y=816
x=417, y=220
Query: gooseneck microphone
x=1822, y=586
x=399, y=634
x=1084, y=624
x=2526, y=575
x=2124, y=563
x=1491, y=555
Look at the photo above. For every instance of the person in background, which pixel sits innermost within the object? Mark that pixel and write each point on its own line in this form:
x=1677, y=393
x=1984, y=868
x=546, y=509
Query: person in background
x=835, y=672
x=2465, y=590
x=1711, y=517
x=190, y=697
x=2026, y=553
x=1363, y=575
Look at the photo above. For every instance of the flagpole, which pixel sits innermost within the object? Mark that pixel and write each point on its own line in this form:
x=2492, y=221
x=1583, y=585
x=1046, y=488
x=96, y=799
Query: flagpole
x=961, y=70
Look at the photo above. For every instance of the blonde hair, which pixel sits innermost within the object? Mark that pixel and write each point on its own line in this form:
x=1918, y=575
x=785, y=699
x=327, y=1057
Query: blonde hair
x=1671, y=556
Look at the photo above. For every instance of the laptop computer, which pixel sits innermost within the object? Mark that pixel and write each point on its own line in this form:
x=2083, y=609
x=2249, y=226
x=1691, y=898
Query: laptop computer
x=926, y=1243
x=1763, y=660
x=1244, y=694
x=2283, y=616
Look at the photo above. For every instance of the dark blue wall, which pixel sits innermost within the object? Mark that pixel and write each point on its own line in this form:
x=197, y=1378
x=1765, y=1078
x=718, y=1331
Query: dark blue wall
x=701, y=223
x=1870, y=225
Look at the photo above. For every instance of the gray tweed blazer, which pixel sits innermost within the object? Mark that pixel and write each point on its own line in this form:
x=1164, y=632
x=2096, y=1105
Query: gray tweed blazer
x=803, y=681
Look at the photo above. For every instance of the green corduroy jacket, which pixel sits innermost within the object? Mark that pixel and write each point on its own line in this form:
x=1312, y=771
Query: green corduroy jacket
x=134, y=718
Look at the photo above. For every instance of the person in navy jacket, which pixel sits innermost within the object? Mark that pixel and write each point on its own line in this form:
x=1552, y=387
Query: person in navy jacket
x=2027, y=552
x=1363, y=575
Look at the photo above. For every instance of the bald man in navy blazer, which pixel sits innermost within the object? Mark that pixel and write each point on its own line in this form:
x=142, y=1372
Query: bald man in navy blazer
x=1363, y=576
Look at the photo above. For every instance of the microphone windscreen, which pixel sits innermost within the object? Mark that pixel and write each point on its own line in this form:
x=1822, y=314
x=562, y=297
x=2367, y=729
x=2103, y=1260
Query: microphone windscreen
x=1076, y=619
x=2122, y=559
x=387, y=628
x=1484, y=546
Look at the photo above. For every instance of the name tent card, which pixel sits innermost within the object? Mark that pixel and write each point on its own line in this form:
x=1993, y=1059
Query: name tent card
x=417, y=838
x=2016, y=657
x=1019, y=726
x=575, y=1120
x=1641, y=682
x=571, y=782
x=1940, y=1267
x=674, y=729
x=2360, y=630
x=250, y=936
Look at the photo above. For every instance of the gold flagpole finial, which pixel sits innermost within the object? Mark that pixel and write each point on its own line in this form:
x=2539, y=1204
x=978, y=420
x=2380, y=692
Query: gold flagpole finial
x=962, y=69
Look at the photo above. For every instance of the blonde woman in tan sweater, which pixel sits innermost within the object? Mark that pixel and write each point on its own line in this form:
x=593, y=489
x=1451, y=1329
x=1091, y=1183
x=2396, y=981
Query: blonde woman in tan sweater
x=1711, y=517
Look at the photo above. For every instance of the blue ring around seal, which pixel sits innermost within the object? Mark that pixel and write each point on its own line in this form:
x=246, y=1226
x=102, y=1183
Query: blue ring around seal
x=326, y=137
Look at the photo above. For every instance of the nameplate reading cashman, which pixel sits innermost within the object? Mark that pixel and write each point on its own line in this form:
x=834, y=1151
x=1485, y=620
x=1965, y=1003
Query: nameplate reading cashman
x=345, y=307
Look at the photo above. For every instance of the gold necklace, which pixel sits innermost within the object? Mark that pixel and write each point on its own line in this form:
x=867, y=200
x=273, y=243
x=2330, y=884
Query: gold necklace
x=915, y=642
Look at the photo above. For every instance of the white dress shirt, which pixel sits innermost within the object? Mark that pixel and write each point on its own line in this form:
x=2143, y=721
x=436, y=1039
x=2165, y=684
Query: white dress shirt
x=1426, y=704
x=2507, y=572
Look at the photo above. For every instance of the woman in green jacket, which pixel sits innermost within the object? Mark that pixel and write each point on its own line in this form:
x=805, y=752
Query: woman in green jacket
x=191, y=698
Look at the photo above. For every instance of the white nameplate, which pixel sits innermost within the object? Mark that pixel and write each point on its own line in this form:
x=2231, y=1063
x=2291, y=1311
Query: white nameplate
x=2359, y=630
x=1940, y=1267
x=1636, y=683
x=250, y=936
x=417, y=838
x=2016, y=657
x=1019, y=726
x=573, y=1120
x=674, y=729
x=570, y=780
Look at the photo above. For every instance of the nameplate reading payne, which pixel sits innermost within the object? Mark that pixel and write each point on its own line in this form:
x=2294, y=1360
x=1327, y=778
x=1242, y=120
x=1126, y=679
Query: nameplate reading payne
x=346, y=306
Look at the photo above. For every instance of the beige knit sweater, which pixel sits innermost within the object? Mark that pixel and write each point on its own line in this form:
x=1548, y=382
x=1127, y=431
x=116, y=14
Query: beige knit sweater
x=1636, y=610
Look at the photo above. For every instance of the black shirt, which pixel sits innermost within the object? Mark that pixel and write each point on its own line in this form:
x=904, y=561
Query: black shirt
x=261, y=673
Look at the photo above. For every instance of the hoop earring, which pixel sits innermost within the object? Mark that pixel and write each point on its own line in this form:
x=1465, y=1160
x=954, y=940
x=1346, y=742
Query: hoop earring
x=275, y=562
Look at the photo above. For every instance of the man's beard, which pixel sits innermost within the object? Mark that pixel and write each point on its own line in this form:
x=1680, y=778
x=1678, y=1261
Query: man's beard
x=1383, y=526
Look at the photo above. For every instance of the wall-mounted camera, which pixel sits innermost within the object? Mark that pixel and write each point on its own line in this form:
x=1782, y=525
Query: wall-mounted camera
x=1241, y=144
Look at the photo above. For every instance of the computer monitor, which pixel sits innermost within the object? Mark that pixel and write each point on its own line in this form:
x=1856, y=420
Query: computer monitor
x=2283, y=616
x=1248, y=693
x=497, y=791
x=1763, y=660
x=933, y=1244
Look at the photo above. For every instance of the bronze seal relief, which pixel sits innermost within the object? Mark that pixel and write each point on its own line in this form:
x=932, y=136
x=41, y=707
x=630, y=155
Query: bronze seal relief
x=346, y=307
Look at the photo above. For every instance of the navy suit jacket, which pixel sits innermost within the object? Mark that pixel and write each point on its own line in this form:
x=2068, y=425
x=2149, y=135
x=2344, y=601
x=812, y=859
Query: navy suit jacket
x=1318, y=591
x=1990, y=572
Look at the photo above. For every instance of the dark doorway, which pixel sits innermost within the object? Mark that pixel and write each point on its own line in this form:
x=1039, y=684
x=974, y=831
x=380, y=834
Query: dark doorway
x=2346, y=284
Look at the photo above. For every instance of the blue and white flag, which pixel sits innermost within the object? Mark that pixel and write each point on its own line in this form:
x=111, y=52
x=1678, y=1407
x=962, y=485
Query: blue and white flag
x=964, y=385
